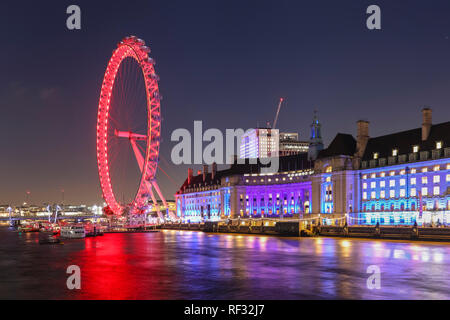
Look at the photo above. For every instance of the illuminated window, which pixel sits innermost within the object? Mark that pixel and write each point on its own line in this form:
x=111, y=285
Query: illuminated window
x=424, y=192
x=382, y=184
x=413, y=192
x=392, y=173
x=365, y=195
x=395, y=152
x=382, y=194
x=373, y=195
x=424, y=180
x=413, y=181
x=392, y=194
x=402, y=182
x=414, y=170
x=437, y=179
x=383, y=174
x=328, y=179
x=439, y=145
x=436, y=168
x=329, y=169
x=392, y=183
x=364, y=185
x=375, y=155
x=373, y=175
x=402, y=172
x=448, y=166
x=364, y=176
x=416, y=149
x=373, y=184
x=447, y=179
x=424, y=169
x=402, y=193
x=436, y=191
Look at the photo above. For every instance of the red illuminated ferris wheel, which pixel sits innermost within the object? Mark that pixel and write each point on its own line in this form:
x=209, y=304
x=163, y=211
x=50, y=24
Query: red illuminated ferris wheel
x=129, y=123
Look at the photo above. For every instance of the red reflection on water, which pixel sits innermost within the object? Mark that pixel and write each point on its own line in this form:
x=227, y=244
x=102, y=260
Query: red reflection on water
x=119, y=266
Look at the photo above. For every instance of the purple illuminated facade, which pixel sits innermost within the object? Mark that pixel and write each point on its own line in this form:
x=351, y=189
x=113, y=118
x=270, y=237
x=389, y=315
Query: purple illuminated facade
x=237, y=193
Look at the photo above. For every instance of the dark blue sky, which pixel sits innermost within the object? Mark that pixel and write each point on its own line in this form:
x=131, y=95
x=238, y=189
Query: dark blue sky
x=223, y=62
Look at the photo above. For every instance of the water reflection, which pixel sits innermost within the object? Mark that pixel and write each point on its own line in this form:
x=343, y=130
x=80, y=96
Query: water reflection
x=195, y=265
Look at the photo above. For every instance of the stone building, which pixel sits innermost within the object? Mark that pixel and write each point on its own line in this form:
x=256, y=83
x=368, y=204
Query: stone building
x=397, y=178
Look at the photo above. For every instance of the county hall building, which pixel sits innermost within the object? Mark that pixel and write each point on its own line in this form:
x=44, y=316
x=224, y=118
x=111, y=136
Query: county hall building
x=397, y=178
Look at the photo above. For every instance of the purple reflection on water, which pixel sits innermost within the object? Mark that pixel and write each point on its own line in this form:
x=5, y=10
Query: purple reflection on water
x=195, y=265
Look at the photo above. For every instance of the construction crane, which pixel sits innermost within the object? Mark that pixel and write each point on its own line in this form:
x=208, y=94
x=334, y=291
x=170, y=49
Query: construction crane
x=278, y=112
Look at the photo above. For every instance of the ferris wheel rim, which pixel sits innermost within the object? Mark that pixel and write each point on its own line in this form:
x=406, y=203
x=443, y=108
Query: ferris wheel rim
x=136, y=49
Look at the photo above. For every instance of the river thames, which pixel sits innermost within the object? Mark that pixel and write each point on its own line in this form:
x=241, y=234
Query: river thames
x=196, y=265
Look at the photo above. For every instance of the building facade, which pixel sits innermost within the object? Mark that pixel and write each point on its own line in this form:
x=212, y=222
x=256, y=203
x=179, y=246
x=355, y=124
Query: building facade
x=259, y=143
x=400, y=178
x=243, y=191
x=290, y=144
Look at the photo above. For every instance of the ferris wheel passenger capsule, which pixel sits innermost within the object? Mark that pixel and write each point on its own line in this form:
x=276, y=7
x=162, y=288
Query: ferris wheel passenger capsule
x=146, y=49
x=154, y=76
x=157, y=96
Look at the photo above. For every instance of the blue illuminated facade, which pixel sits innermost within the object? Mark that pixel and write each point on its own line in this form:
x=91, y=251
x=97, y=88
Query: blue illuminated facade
x=407, y=193
x=398, y=179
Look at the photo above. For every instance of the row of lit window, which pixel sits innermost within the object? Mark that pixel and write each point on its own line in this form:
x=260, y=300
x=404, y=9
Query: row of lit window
x=270, y=179
x=402, y=194
x=198, y=201
x=403, y=171
x=402, y=182
x=415, y=149
x=199, y=195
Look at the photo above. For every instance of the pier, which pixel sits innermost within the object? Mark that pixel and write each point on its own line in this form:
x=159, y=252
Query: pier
x=295, y=228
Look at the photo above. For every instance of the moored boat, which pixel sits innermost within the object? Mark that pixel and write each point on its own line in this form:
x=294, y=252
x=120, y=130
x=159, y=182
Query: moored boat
x=75, y=231
x=48, y=238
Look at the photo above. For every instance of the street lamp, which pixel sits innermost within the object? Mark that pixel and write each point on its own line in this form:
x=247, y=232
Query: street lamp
x=10, y=217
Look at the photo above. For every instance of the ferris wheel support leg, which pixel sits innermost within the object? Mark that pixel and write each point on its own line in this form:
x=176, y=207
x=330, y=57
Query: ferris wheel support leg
x=140, y=161
x=155, y=185
x=171, y=214
x=155, y=203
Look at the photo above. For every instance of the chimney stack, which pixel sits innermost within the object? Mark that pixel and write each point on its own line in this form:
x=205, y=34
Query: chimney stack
x=213, y=170
x=190, y=175
x=362, y=137
x=205, y=172
x=426, y=123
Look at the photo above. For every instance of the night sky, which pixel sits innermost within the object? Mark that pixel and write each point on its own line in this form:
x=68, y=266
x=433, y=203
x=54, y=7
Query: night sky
x=223, y=62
